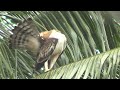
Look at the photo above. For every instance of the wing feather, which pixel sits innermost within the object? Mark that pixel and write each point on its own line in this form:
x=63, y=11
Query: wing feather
x=45, y=52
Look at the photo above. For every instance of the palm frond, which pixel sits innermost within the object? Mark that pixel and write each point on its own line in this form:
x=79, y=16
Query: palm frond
x=101, y=66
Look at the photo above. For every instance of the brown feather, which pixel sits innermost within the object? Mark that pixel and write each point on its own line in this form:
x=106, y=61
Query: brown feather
x=26, y=36
x=46, y=51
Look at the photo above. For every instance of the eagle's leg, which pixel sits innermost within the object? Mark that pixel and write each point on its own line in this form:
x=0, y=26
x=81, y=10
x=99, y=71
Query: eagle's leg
x=46, y=66
x=53, y=60
x=50, y=63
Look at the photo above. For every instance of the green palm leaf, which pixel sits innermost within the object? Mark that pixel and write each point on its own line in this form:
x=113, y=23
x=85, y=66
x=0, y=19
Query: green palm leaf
x=101, y=66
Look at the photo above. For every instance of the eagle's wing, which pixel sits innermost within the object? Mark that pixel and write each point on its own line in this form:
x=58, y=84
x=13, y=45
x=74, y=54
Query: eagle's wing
x=25, y=36
x=46, y=51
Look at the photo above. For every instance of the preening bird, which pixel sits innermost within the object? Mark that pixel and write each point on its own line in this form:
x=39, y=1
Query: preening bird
x=45, y=46
x=60, y=45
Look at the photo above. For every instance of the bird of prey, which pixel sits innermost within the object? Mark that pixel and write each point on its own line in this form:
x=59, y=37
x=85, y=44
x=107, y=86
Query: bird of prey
x=45, y=46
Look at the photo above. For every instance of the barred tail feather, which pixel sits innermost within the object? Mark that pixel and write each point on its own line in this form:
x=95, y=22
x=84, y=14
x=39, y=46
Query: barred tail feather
x=25, y=36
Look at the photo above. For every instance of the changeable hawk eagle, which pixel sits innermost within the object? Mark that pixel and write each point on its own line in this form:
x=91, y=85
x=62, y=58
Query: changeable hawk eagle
x=46, y=46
